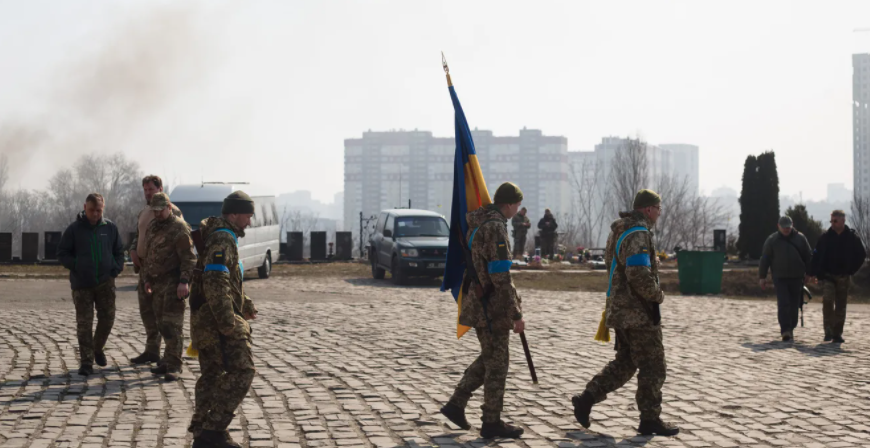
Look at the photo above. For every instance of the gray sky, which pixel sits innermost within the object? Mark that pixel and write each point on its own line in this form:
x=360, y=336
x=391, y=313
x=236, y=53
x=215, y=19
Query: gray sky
x=267, y=91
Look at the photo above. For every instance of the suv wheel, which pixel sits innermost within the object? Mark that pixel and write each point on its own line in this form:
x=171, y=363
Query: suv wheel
x=377, y=273
x=396, y=271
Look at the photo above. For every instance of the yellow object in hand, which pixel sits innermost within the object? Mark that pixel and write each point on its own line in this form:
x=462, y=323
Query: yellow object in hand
x=192, y=352
x=603, y=334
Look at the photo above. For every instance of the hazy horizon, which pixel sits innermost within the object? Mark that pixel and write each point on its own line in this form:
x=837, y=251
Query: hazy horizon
x=225, y=91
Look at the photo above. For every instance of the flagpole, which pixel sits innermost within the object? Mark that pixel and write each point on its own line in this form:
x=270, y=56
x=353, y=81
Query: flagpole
x=446, y=70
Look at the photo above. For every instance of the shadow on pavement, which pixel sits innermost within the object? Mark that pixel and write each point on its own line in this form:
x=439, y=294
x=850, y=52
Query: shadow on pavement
x=817, y=351
x=422, y=282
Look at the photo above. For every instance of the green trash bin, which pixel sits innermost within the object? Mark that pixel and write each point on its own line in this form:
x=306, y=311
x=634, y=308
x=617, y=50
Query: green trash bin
x=700, y=272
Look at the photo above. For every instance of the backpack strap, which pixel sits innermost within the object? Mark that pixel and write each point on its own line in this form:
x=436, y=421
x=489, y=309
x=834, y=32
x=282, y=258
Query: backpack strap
x=616, y=256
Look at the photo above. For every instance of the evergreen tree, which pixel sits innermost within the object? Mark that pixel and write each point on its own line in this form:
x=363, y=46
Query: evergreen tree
x=768, y=195
x=747, y=243
x=805, y=223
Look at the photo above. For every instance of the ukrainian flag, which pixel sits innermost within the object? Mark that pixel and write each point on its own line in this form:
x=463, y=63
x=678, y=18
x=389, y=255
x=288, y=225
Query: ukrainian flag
x=469, y=194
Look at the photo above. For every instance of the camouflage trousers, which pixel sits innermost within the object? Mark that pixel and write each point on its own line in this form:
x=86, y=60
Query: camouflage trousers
x=636, y=350
x=519, y=245
x=168, y=312
x=226, y=371
x=488, y=370
x=149, y=319
x=834, y=304
x=103, y=298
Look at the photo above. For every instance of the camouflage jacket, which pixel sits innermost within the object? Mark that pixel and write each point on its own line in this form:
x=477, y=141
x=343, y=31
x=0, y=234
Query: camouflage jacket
x=144, y=220
x=170, y=249
x=491, y=253
x=521, y=225
x=223, y=275
x=635, y=293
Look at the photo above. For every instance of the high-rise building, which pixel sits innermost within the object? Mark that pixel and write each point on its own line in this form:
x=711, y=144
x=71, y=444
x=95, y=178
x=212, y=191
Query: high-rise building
x=861, y=123
x=388, y=169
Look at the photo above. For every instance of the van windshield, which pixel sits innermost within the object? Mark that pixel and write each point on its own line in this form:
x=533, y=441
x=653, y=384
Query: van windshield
x=195, y=212
x=421, y=226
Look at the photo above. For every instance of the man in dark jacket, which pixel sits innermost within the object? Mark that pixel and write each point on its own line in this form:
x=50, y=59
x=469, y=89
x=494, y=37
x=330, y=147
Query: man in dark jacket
x=838, y=256
x=786, y=254
x=548, y=227
x=91, y=249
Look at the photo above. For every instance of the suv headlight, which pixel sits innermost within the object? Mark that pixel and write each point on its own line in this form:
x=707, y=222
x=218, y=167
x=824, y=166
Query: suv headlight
x=409, y=253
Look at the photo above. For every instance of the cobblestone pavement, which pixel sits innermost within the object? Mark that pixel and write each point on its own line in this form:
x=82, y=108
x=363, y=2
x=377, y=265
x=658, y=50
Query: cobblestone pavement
x=345, y=363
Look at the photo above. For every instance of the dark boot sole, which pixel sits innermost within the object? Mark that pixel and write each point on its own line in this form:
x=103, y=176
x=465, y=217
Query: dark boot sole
x=513, y=435
x=653, y=433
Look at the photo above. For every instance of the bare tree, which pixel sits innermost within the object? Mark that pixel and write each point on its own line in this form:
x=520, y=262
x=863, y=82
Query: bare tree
x=629, y=174
x=4, y=170
x=860, y=218
x=675, y=191
x=589, y=200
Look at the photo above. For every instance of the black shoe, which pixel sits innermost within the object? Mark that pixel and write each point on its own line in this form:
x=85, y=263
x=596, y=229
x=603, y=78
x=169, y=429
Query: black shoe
x=838, y=340
x=145, y=358
x=500, y=429
x=100, y=358
x=657, y=427
x=456, y=415
x=214, y=439
x=582, y=408
x=828, y=337
x=159, y=370
x=171, y=375
x=86, y=370
x=786, y=337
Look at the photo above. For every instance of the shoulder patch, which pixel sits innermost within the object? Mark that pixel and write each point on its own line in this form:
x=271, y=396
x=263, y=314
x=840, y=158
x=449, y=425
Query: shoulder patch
x=501, y=250
x=218, y=257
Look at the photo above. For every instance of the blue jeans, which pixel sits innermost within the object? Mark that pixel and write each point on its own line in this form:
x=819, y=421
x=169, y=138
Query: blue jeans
x=789, y=295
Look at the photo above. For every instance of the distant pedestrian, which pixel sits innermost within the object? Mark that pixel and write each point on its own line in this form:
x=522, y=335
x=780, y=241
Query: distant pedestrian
x=521, y=225
x=92, y=251
x=787, y=255
x=838, y=256
x=548, y=226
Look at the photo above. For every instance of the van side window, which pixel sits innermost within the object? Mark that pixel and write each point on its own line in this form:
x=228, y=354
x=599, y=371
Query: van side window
x=382, y=220
x=274, y=213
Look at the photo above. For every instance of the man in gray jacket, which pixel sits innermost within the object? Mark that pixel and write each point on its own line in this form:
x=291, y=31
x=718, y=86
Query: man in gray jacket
x=787, y=254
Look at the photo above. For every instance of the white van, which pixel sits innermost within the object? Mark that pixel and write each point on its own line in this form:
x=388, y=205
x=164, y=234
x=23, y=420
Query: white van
x=261, y=242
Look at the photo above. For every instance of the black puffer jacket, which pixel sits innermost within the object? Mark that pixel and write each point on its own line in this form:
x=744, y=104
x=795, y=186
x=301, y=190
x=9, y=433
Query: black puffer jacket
x=92, y=253
x=835, y=254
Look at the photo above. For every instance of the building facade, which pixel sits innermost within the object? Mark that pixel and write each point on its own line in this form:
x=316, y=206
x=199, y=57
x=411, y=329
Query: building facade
x=385, y=170
x=861, y=124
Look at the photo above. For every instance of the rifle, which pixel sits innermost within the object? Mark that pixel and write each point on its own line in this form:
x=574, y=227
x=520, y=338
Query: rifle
x=483, y=294
x=806, y=293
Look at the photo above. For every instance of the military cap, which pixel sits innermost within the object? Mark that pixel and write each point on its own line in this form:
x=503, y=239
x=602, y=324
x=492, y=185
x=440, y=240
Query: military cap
x=239, y=203
x=159, y=202
x=646, y=198
x=508, y=193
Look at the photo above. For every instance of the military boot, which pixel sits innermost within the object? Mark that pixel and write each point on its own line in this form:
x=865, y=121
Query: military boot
x=159, y=370
x=456, y=415
x=500, y=429
x=657, y=427
x=171, y=375
x=86, y=369
x=214, y=439
x=145, y=358
x=100, y=358
x=583, y=407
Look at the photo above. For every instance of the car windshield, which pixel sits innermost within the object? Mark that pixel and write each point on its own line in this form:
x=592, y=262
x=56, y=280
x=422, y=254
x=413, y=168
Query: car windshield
x=422, y=226
x=195, y=212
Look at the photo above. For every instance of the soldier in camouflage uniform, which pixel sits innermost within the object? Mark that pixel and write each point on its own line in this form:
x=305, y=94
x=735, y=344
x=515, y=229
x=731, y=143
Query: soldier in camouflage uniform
x=92, y=251
x=491, y=254
x=151, y=185
x=219, y=325
x=633, y=311
x=168, y=269
x=521, y=225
